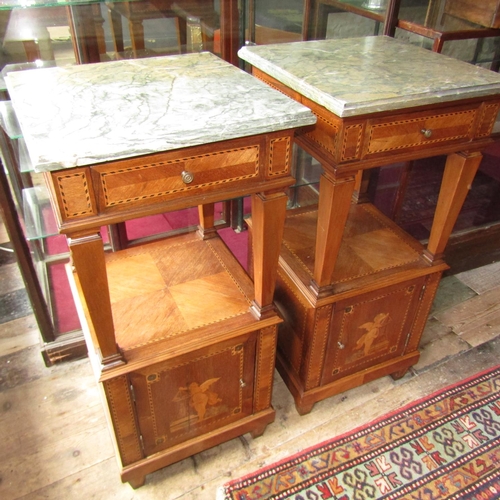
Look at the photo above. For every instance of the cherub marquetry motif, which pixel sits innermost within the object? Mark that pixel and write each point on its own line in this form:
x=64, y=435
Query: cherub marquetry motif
x=373, y=340
x=373, y=331
x=200, y=396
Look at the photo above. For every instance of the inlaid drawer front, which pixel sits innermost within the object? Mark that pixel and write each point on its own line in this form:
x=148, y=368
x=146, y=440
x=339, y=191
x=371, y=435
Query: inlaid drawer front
x=419, y=131
x=140, y=183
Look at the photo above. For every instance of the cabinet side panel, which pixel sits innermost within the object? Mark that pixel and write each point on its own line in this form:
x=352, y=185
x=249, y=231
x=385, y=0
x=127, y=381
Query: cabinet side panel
x=292, y=331
x=123, y=418
x=489, y=113
x=423, y=310
x=325, y=135
x=315, y=351
x=265, y=360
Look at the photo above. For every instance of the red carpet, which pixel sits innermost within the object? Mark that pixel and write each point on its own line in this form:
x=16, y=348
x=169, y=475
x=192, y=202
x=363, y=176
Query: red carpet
x=446, y=446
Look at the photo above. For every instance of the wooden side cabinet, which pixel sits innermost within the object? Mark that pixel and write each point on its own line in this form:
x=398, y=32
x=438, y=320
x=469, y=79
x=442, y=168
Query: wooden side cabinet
x=182, y=341
x=173, y=405
x=353, y=288
x=199, y=365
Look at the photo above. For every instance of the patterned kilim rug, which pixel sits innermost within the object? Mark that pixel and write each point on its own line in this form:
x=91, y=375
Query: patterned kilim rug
x=446, y=446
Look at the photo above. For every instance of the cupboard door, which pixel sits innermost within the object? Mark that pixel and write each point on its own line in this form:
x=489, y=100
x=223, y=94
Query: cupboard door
x=193, y=394
x=371, y=328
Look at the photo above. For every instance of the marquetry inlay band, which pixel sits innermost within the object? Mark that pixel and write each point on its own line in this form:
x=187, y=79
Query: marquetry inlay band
x=423, y=310
x=279, y=156
x=488, y=118
x=324, y=134
x=265, y=367
x=318, y=347
x=120, y=405
x=351, y=147
x=75, y=194
x=164, y=178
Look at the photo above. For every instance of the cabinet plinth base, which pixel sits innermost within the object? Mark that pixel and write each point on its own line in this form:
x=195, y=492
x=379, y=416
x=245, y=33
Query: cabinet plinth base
x=370, y=322
x=135, y=474
x=305, y=400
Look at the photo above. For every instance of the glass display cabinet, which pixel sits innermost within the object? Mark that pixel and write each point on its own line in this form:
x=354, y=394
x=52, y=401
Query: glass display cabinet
x=443, y=26
x=47, y=33
x=355, y=289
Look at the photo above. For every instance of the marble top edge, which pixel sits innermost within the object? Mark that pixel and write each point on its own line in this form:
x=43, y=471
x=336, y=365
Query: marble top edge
x=370, y=74
x=80, y=115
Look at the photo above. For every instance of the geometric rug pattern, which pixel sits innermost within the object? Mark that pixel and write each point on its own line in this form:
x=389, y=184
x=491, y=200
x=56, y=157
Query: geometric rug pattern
x=444, y=446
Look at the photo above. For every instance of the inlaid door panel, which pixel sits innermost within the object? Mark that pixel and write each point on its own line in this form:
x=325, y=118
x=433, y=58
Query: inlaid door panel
x=193, y=394
x=371, y=328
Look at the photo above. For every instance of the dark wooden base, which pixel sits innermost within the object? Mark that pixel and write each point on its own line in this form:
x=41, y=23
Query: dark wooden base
x=67, y=347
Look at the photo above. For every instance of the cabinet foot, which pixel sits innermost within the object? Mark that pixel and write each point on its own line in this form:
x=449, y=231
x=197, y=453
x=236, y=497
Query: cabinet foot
x=137, y=482
x=400, y=374
x=304, y=409
x=258, y=431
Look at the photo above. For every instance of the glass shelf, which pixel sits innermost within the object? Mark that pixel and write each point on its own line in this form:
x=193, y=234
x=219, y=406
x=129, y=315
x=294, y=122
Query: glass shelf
x=9, y=68
x=23, y=4
x=39, y=219
x=307, y=171
x=8, y=120
x=25, y=163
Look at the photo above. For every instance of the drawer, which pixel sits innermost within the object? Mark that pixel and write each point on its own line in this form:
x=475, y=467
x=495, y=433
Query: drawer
x=159, y=179
x=221, y=170
x=419, y=131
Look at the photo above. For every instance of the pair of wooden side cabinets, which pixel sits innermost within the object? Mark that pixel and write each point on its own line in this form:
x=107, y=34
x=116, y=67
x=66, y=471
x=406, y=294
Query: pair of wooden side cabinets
x=183, y=341
x=353, y=290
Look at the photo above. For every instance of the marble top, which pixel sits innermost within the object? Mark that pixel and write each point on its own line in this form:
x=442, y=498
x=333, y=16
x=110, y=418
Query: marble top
x=80, y=115
x=356, y=76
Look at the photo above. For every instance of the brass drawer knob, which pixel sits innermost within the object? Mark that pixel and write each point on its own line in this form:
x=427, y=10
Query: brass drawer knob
x=427, y=132
x=187, y=177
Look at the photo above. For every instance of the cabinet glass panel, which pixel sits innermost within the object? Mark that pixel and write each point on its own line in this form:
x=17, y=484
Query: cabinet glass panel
x=347, y=18
x=438, y=25
x=274, y=21
x=75, y=31
x=307, y=171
